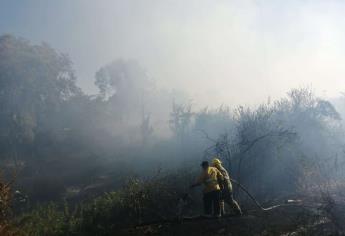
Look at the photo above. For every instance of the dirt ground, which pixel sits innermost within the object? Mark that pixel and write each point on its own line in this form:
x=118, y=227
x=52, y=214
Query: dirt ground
x=284, y=221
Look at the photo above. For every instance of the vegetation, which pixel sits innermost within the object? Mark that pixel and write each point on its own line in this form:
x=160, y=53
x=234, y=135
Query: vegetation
x=106, y=163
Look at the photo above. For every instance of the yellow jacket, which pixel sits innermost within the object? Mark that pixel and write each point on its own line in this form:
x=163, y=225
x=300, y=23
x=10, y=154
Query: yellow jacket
x=227, y=183
x=210, y=178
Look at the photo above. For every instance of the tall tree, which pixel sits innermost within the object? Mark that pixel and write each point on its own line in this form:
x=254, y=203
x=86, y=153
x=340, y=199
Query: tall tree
x=34, y=81
x=125, y=85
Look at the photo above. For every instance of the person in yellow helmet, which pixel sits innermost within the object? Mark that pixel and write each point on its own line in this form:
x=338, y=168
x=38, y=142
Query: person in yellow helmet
x=226, y=191
x=210, y=177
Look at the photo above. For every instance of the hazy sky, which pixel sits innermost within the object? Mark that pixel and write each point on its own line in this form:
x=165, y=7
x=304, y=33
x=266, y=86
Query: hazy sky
x=218, y=51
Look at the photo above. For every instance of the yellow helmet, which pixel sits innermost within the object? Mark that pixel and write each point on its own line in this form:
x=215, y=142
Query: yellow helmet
x=216, y=162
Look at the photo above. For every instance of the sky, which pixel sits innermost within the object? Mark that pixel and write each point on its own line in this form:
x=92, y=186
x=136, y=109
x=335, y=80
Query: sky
x=217, y=51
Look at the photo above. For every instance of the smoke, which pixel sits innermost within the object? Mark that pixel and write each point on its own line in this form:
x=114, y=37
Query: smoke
x=230, y=52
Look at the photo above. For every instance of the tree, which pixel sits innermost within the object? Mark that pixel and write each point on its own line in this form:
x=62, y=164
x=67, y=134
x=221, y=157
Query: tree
x=180, y=120
x=146, y=128
x=125, y=85
x=34, y=81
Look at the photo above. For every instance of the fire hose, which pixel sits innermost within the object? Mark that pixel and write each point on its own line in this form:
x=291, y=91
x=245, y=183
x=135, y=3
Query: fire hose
x=254, y=199
x=244, y=189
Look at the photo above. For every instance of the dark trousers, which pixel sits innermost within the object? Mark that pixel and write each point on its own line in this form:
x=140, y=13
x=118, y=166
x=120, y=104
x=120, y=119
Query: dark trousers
x=212, y=203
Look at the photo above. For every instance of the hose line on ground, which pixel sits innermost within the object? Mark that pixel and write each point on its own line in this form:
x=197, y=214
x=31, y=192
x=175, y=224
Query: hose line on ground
x=254, y=199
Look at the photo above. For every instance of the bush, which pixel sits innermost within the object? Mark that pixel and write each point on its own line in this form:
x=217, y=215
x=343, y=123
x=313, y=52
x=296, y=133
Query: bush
x=137, y=202
x=49, y=220
x=6, y=226
x=103, y=215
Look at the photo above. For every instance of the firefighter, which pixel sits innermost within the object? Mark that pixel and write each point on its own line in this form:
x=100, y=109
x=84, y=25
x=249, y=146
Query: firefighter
x=210, y=177
x=226, y=191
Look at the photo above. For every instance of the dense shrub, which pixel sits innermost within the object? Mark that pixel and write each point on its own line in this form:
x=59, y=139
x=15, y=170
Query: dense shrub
x=48, y=219
x=6, y=225
x=140, y=200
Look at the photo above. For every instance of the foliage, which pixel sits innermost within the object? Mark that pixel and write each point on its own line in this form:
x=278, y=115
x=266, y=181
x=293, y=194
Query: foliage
x=6, y=226
x=180, y=120
x=63, y=139
x=48, y=220
x=122, y=80
x=138, y=201
x=274, y=143
x=34, y=81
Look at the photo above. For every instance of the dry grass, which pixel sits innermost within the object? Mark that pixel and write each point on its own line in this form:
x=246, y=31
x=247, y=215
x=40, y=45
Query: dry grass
x=6, y=228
